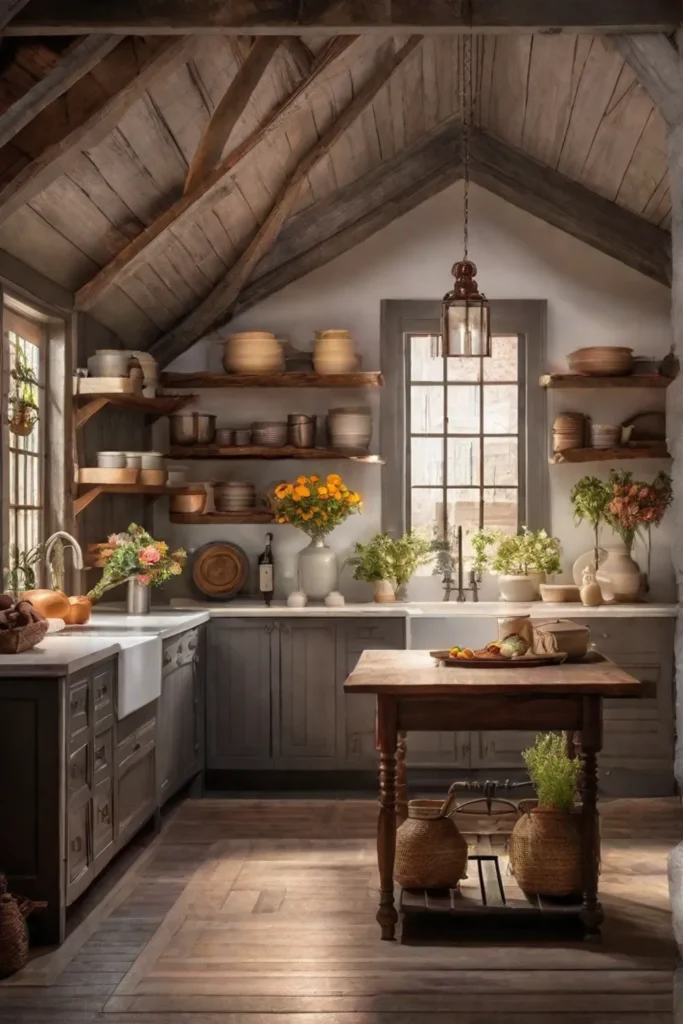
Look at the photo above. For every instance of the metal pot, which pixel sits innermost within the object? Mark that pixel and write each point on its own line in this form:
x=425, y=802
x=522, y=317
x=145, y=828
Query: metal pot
x=189, y=502
x=301, y=430
x=192, y=428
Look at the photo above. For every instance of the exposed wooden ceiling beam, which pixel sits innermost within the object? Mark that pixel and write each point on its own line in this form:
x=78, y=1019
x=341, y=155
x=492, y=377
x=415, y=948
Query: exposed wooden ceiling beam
x=225, y=294
x=566, y=204
x=659, y=69
x=9, y=9
x=230, y=109
x=71, y=65
x=151, y=239
x=160, y=57
x=73, y=17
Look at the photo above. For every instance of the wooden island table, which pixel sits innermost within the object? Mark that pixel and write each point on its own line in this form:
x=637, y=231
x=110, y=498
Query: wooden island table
x=414, y=692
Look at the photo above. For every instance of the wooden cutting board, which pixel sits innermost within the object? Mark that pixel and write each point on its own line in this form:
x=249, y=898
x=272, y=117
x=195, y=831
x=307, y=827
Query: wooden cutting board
x=220, y=569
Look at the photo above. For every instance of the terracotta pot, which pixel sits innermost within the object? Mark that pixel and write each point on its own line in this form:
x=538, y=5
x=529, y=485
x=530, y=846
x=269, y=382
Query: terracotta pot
x=619, y=576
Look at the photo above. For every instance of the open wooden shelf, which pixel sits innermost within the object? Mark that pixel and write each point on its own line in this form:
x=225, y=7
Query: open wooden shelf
x=569, y=381
x=163, y=405
x=290, y=379
x=254, y=517
x=195, y=451
x=93, y=492
x=654, y=451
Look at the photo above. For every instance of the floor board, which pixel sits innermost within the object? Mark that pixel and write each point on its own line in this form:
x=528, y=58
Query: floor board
x=262, y=912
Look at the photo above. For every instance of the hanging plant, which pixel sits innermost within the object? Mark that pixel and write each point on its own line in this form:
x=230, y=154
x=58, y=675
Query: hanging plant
x=23, y=398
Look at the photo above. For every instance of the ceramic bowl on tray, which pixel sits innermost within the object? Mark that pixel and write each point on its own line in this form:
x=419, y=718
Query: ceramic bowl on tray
x=601, y=361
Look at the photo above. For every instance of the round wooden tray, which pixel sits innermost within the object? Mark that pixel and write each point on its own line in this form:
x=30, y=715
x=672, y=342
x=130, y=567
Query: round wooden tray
x=220, y=569
x=526, y=661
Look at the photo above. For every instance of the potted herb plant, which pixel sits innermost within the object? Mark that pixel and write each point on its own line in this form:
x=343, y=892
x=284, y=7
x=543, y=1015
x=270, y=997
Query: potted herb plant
x=135, y=558
x=545, y=845
x=521, y=561
x=21, y=573
x=390, y=564
x=23, y=397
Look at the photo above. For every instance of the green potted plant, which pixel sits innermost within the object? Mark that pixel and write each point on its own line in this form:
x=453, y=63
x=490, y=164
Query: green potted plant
x=589, y=498
x=545, y=845
x=21, y=573
x=390, y=563
x=23, y=397
x=521, y=561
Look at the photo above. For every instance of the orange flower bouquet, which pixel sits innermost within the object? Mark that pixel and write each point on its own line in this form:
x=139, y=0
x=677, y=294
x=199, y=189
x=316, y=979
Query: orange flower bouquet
x=314, y=505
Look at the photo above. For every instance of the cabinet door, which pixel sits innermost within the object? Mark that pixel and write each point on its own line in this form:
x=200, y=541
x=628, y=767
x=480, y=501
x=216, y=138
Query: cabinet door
x=500, y=749
x=307, y=692
x=78, y=852
x=103, y=817
x=238, y=693
x=167, y=719
x=136, y=791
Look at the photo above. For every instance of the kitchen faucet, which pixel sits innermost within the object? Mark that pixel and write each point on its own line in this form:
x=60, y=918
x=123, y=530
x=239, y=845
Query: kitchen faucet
x=75, y=547
x=448, y=577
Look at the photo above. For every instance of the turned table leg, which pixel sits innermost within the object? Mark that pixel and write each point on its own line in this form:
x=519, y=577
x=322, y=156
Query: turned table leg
x=387, y=738
x=591, y=742
x=401, y=780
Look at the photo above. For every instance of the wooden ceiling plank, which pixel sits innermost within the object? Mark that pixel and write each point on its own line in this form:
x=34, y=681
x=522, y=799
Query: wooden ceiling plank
x=71, y=65
x=230, y=110
x=302, y=17
x=126, y=261
x=572, y=207
x=9, y=9
x=226, y=293
x=658, y=67
x=54, y=160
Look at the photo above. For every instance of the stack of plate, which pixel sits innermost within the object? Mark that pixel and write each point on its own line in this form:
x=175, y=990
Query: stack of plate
x=234, y=496
x=269, y=435
x=569, y=431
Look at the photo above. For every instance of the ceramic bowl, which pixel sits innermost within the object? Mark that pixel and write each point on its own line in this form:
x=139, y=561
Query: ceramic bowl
x=559, y=593
x=111, y=460
x=601, y=361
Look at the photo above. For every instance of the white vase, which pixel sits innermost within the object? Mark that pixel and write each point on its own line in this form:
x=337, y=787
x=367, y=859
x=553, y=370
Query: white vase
x=317, y=570
x=518, y=588
x=619, y=576
x=385, y=592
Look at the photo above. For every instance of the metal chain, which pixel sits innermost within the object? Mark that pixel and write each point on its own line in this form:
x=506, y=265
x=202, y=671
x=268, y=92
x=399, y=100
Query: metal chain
x=466, y=108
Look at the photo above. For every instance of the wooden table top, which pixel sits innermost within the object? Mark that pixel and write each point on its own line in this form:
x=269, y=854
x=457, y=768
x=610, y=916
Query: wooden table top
x=415, y=673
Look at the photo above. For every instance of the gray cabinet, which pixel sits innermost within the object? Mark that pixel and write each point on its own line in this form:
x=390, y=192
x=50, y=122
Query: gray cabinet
x=307, y=694
x=179, y=714
x=241, y=655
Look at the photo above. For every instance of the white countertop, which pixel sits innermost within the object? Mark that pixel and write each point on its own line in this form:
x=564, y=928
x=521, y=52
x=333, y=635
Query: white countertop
x=163, y=623
x=57, y=656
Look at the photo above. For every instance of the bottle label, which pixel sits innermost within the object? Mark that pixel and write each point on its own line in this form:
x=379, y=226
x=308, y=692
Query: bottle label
x=265, y=578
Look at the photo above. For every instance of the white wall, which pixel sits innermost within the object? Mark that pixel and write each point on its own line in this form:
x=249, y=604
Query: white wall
x=592, y=300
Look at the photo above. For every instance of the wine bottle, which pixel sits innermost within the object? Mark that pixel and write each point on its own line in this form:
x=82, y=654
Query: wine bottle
x=266, y=571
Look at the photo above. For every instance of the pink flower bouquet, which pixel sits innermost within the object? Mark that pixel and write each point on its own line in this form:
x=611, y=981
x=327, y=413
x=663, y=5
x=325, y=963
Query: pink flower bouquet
x=136, y=555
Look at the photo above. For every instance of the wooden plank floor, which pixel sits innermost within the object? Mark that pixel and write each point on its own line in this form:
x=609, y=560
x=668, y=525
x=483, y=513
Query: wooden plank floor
x=262, y=912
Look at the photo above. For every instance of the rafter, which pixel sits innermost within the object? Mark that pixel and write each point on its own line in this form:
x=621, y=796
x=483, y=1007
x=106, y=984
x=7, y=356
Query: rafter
x=659, y=69
x=159, y=57
x=152, y=238
x=9, y=9
x=45, y=17
x=224, y=295
x=230, y=109
x=77, y=60
x=572, y=207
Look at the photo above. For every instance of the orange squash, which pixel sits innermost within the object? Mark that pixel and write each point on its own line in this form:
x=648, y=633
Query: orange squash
x=53, y=604
x=80, y=609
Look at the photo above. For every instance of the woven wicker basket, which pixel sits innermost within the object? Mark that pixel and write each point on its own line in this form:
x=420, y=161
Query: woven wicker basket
x=16, y=641
x=430, y=851
x=545, y=853
x=13, y=931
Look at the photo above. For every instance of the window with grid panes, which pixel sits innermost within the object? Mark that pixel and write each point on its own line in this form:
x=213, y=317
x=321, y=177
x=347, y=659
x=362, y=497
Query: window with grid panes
x=25, y=517
x=464, y=447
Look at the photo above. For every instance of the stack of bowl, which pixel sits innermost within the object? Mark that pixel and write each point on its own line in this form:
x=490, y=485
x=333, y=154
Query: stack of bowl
x=605, y=435
x=253, y=352
x=269, y=434
x=569, y=430
x=350, y=427
x=234, y=496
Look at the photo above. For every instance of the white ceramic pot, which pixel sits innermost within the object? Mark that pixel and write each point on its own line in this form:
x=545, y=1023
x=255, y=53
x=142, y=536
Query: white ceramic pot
x=518, y=588
x=109, y=362
x=619, y=576
x=253, y=352
x=349, y=427
x=537, y=578
x=385, y=592
x=152, y=460
x=334, y=353
x=317, y=570
x=111, y=460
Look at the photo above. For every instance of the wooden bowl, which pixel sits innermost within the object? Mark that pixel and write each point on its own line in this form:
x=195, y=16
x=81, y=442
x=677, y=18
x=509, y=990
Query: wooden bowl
x=559, y=593
x=601, y=361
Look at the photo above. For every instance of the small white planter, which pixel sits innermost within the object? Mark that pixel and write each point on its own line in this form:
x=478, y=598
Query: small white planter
x=385, y=592
x=519, y=588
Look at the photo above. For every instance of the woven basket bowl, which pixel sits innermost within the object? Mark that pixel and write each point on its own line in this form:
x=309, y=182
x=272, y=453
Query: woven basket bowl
x=13, y=937
x=545, y=853
x=16, y=641
x=430, y=851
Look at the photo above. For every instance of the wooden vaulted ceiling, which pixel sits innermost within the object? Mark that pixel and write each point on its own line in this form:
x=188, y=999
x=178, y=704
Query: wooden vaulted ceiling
x=94, y=186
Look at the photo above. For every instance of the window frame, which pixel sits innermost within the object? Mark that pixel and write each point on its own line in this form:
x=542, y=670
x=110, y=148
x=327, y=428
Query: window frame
x=525, y=318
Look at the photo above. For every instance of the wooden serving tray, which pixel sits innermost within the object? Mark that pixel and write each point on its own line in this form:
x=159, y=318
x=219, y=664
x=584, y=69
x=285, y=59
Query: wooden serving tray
x=98, y=475
x=526, y=661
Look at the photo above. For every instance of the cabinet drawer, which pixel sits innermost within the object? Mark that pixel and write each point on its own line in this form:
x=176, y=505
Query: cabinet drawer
x=79, y=775
x=171, y=655
x=616, y=638
x=77, y=842
x=78, y=709
x=136, y=745
x=103, y=816
x=136, y=791
x=103, y=691
x=103, y=756
x=189, y=642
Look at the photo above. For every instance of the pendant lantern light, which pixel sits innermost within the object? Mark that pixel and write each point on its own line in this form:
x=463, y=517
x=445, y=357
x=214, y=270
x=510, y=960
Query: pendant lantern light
x=465, y=312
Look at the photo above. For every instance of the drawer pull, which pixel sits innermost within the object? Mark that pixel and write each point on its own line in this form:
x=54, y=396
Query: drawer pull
x=103, y=812
x=76, y=771
x=136, y=746
x=75, y=706
x=100, y=753
x=102, y=692
x=77, y=844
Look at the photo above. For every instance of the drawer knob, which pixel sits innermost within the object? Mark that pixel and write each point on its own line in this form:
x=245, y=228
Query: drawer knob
x=103, y=812
x=77, y=844
x=76, y=771
x=136, y=746
x=100, y=754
